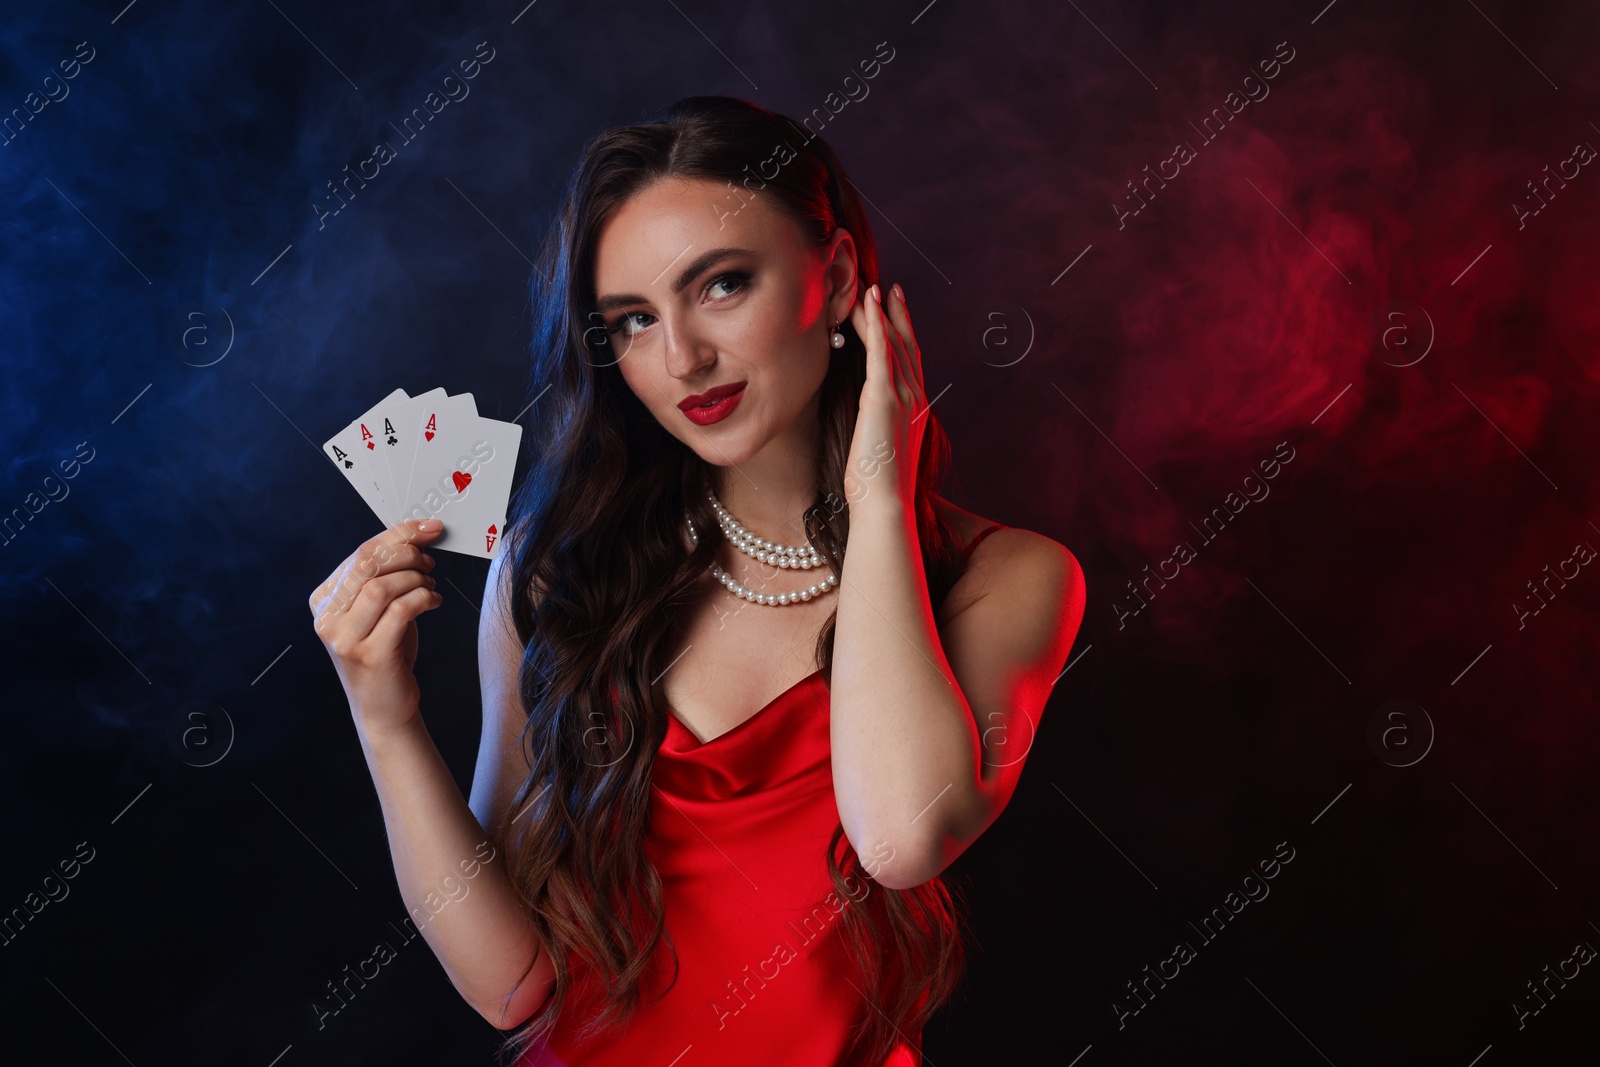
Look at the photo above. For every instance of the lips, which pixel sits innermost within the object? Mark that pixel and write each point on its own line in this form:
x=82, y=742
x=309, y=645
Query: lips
x=714, y=393
x=719, y=404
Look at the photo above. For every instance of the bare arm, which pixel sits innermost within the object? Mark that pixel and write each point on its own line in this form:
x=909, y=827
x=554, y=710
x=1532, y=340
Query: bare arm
x=479, y=933
x=451, y=878
x=931, y=726
x=930, y=722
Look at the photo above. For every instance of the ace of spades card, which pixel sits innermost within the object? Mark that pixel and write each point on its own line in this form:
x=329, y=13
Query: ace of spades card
x=354, y=450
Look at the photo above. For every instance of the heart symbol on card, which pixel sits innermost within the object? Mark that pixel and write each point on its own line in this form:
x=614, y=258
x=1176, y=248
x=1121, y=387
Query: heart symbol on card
x=461, y=480
x=428, y=435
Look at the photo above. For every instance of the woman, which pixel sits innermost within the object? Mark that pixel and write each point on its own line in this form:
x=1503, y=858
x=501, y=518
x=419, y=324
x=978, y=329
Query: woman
x=733, y=495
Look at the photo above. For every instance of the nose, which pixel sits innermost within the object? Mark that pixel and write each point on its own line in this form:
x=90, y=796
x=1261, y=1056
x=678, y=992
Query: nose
x=687, y=353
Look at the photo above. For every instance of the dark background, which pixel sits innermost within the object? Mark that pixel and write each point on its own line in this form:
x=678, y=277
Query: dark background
x=1111, y=406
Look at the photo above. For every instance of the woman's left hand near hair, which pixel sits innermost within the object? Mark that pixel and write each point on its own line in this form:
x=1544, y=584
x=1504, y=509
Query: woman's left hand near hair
x=882, y=467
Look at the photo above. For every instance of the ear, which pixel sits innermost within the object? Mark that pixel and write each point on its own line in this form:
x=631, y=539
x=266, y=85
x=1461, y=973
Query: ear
x=841, y=279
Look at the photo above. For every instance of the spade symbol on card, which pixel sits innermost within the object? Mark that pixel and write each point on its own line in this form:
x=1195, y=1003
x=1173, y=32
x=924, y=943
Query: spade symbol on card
x=461, y=480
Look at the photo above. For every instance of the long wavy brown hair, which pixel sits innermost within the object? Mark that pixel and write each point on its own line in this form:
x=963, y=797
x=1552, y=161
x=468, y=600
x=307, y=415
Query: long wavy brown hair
x=599, y=570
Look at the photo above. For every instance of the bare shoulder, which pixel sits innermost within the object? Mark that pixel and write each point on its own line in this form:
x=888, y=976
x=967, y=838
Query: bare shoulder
x=1009, y=560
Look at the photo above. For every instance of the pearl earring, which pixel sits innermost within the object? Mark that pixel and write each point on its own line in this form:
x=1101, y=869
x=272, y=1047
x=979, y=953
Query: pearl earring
x=837, y=339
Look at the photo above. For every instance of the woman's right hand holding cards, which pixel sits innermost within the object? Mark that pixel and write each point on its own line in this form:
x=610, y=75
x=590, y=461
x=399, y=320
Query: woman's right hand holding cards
x=366, y=614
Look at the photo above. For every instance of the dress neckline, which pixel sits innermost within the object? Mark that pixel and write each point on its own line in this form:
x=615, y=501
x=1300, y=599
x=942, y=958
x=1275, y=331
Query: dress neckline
x=695, y=742
x=683, y=739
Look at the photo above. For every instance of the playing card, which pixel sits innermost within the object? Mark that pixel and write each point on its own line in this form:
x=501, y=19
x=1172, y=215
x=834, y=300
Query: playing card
x=466, y=483
x=421, y=441
x=354, y=450
x=395, y=423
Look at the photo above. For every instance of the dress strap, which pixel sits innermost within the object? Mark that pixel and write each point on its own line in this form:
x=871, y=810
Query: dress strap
x=981, y=535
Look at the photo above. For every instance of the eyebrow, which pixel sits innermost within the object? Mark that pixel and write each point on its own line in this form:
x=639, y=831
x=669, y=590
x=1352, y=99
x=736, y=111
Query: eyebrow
x=700, y=263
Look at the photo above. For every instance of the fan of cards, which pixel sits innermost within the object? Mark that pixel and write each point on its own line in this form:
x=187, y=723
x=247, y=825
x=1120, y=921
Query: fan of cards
x=432, y=457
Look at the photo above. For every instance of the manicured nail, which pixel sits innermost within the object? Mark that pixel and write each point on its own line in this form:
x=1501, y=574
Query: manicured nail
x=899, y=293
x=428, y=525
x=874, y=291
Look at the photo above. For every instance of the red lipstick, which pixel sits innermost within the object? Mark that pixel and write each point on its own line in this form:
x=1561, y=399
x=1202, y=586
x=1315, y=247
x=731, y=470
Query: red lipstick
x=713, y=405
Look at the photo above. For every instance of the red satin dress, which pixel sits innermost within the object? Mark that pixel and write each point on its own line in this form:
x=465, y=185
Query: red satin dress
x=739, y=829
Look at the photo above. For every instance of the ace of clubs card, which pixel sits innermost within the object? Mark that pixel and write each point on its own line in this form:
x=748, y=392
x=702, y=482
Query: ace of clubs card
x=396, y=425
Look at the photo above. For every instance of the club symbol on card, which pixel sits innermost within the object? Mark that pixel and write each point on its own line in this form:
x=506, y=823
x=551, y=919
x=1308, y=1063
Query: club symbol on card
x=461, y=480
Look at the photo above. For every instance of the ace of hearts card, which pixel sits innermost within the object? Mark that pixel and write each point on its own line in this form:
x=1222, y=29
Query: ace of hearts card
x=462, y=476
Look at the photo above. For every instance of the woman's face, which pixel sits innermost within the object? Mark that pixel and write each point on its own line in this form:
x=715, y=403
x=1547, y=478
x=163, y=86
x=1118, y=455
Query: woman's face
x=699, y=290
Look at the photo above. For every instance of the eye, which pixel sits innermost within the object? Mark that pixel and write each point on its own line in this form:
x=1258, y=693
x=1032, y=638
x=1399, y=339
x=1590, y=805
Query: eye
x=740, y=279
x=617, y=324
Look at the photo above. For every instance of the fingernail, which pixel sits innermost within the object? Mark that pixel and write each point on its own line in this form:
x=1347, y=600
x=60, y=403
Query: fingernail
x=874, y=291
x=899, y=293
x=428, y=525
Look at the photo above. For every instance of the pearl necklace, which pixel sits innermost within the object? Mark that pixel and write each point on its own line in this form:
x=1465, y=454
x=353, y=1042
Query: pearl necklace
x=800, y=557
x=768, y=552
